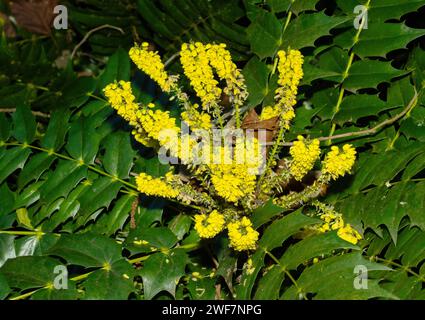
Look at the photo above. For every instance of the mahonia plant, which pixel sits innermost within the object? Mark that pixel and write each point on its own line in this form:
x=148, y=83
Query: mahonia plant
x=220, y=168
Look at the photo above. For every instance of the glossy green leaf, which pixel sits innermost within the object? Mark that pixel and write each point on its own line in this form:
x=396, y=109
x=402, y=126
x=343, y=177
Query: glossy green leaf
x=119, y=155
x=83, y=141
x=264, y=34
x=29, y=272
x=118, y=68
x=12, y=160
x=24, y=124
x=307, y=28
x=161, y=272
x=370, y=73
x=113, y=284
x=256, y=76
x=88, y=249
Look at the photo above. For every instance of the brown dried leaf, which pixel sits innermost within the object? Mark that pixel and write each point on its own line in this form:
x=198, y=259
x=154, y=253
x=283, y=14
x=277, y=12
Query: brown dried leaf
x=252, y=121
x=36, y=16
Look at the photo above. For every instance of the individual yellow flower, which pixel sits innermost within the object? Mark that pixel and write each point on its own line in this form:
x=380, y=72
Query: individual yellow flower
x=241, y=235
x=196, y=67
x=208, y=226
x=150, y=63
x=304, y=155
x=339, y=163
x=155, y=186
x=349, y=234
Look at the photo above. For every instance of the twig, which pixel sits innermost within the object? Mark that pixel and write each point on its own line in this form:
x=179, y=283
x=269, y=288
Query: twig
x=88, y=34
x=36, y=113
x=370, y=131
x=171, y=59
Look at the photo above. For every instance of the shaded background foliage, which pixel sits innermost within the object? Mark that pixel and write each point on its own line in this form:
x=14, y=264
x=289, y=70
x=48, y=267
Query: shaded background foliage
x=67, y=193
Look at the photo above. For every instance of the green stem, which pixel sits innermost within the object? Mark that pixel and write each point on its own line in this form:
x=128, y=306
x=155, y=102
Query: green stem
x=289, y=275
x=272, y=155
x=92, y=168
x=96, y=97
x=345, y=75
x=395, y=264
x=22, y=233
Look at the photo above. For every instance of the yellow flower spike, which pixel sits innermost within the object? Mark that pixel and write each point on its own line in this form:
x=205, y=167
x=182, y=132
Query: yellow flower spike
x=304, y=155
x=221, y=60
x=156, y=121
x=209, y=226
x=339, y=163
x=121, y=98
x=196, y=67
x=155, y=186
x=290, y=74
x=241, y=235
x=150, y=63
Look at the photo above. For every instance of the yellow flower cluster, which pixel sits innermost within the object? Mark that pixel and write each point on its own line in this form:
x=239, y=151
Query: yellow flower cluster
x=156, y=122
x=121, y=98
x=199, y=62
x=209, y=226
x=339, y=163
x=334, y=221
x=241, y=235
x=195, y=61
x=150, y=63
x=233, y=175
x=226, y=176
x=197, y=120
x=232, y=182
x=290, y=74
x=155, y=186
x=304, y=155
x=221, y=60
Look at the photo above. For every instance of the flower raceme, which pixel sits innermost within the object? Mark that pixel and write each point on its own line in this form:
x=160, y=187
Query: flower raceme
x=155, y=186
x=225, y=192
x=150, y=63
x=241, y=235
x=290, y=74
x=208, y=226
x=304, y=155
x=337, y=163
x=199, y=62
